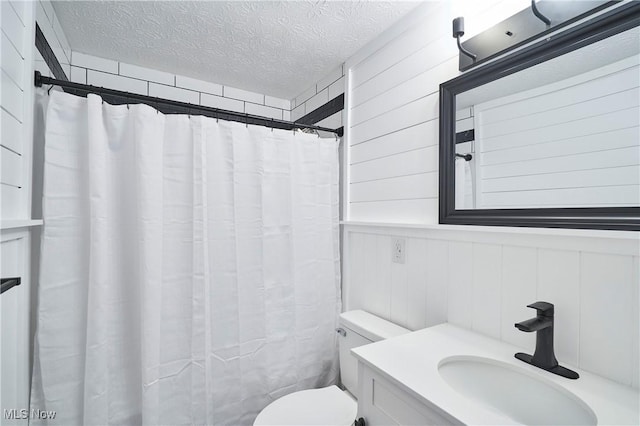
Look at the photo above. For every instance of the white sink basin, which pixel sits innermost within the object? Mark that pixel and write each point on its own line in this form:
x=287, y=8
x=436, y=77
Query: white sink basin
x=514, y=392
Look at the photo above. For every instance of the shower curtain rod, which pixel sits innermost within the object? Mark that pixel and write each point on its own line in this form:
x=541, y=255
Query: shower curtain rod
x=168, y=106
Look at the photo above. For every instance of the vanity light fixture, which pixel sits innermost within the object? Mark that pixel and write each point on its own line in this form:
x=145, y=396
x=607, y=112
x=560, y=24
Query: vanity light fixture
x=540, y=18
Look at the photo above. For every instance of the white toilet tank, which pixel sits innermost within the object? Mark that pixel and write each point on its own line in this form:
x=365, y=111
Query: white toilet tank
x=360, y=328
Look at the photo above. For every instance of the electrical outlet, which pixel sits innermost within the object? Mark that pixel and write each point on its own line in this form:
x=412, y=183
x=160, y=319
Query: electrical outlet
x=397, y=250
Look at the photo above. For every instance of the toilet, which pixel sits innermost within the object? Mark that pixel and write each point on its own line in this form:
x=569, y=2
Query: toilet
x=331, y=405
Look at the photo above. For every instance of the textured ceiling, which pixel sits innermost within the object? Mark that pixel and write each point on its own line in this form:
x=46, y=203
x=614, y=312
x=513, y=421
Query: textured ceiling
x=275, y=47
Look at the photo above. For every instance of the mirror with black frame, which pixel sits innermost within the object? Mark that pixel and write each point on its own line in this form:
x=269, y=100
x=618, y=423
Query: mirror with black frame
x=548, y=136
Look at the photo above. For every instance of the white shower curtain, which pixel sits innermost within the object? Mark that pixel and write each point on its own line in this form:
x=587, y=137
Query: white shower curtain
x=190, y=268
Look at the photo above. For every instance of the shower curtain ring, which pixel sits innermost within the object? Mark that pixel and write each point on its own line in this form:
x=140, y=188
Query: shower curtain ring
x=49, y=90
x=246, y=121
x=271, y=124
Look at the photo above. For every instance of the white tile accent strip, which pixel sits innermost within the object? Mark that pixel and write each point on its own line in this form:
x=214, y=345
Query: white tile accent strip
x=337, y=88
x=174, y=93
x=148, y=74
x=220, y=102
x=264, y=111
x=304, y=96
x=78, y=75
x=298, y=112
x=128, y=77
x=198, y=85
x=317, y=101
x=93, y=62
x=277, y=103
x=243, y=95
x=116, y=82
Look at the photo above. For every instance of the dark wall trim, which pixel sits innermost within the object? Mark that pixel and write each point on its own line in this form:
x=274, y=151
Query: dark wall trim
x=327, y=110
x=46, y=51
x=466, y=136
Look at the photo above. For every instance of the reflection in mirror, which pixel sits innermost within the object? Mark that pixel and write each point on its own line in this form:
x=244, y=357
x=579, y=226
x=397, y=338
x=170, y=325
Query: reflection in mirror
x=563, y=133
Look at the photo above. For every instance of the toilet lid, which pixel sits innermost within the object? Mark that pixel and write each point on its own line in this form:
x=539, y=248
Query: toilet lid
x=325, y=406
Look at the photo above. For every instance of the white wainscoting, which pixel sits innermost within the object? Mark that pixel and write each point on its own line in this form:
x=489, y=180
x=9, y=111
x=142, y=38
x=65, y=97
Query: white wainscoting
x=482, y=279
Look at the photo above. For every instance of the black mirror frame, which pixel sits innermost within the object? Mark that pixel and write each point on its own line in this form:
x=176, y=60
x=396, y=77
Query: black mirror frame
x=597, y=28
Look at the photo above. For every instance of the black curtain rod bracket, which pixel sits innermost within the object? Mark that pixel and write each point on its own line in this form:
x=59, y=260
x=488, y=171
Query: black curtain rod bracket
x=169, y=106
x=9, y=283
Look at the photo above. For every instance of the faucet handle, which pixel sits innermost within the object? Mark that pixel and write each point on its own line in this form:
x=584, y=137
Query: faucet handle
x=542, y=308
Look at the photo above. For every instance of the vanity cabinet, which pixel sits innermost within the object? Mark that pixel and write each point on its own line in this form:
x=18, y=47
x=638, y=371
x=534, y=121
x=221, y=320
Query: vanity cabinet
x=382, y=402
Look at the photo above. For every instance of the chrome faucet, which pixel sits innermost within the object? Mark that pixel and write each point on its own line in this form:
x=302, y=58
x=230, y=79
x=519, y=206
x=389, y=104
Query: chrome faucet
x=544, y=356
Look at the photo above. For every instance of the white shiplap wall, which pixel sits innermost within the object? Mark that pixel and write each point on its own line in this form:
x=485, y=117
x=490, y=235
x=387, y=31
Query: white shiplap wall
x=16, y=47
x=479, y=278
x=392, y=107
x=88, y=69
x=15, y=109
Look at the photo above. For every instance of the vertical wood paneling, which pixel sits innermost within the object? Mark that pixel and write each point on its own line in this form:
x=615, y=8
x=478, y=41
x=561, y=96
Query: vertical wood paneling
x=519, y=280
x=559, y=283
x=356, y=291
x=635, y=330
x=416, y=257
x=14, y=323
x=487, y=286
x=399, y=289
x=487, y=280
x=371, y=292
x=380, y=276
x=437, y=265
x=606, y=315
x=460, y=299
x=382, y=270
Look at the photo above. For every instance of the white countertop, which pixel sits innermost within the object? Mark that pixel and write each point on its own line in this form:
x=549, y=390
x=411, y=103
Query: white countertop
x=411, y=362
